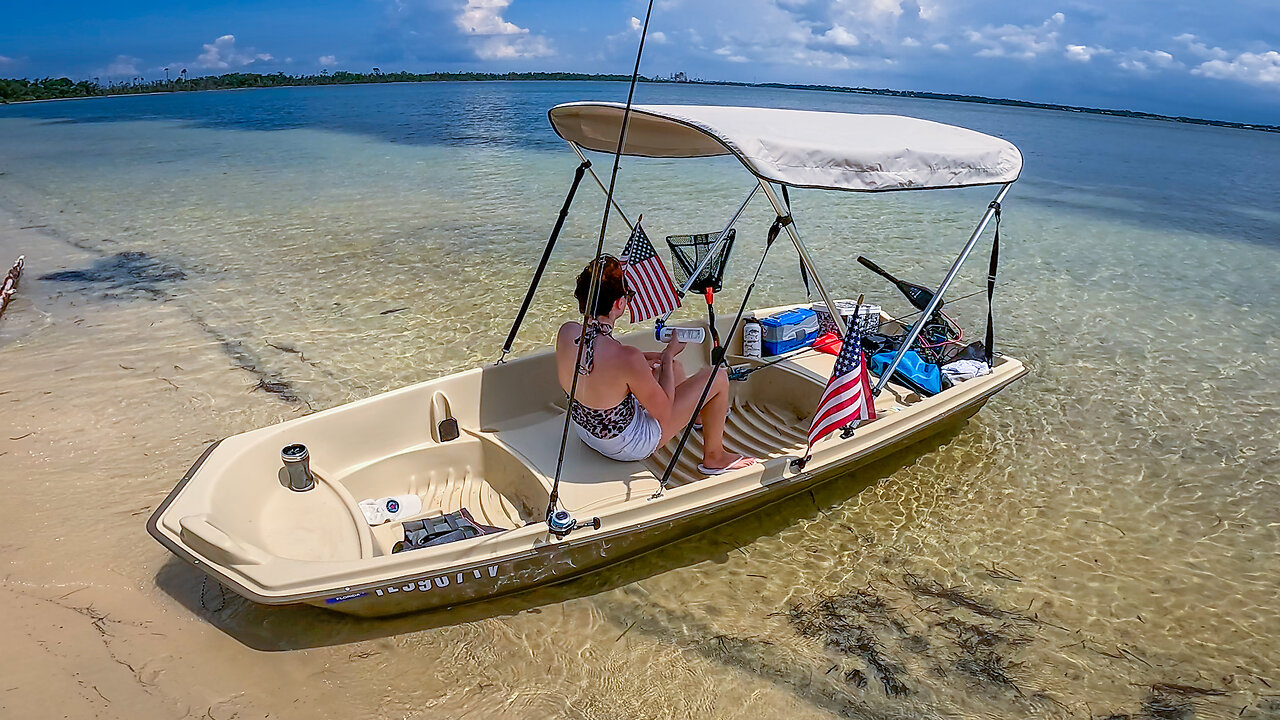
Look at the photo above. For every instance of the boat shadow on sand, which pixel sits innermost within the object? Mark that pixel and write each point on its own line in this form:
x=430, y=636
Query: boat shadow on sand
x=297, y=627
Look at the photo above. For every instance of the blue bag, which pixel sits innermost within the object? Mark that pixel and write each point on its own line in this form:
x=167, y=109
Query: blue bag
x=919, y=374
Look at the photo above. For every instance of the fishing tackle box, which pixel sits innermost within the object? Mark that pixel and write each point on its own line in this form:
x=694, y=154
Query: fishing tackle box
x=788, y=330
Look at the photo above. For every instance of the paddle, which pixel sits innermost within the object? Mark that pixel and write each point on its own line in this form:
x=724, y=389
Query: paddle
x=919, y=295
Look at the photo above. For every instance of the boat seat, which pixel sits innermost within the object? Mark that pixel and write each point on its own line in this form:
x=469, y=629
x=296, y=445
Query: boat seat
x=588, y=478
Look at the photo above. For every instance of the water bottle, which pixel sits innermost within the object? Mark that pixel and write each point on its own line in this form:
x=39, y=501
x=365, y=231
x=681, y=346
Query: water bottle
x=752, y=337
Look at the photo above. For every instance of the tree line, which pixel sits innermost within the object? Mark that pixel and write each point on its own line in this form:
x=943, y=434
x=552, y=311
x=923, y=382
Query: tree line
x=19, y=89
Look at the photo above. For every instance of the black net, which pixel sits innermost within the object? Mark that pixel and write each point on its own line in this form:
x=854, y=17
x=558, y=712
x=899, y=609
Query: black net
x=688, y=252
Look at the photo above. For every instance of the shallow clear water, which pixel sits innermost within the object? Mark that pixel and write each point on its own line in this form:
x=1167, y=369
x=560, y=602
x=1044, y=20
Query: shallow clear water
x=1115, y=514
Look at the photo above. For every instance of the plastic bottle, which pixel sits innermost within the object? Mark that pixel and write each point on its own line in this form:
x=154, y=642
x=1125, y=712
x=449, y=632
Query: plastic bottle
x=752, y=337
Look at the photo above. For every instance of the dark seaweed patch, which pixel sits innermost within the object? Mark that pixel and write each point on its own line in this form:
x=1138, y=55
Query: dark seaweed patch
x=835, y=619
x=1166, y=707
x=123, y=275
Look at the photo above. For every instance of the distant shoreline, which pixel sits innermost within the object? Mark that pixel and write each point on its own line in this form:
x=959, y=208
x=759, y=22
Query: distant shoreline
x=27, y=91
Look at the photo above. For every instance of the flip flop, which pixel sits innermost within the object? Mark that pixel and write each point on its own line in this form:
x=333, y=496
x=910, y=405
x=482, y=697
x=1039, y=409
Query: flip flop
x=742, y=462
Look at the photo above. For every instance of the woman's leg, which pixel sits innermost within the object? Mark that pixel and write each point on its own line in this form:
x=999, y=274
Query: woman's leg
x=714, y=412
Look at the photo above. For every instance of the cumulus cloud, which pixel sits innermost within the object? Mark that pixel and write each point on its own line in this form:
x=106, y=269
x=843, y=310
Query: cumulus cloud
x=1147, y=61
x=223, y=54
x=326, y=60
x=840, y=37
x=122, y=66
x=1084, y=53
x=1199, y=49
x=1024, y=42
x=1260, y=69
x=493, y=37
x=636, y=25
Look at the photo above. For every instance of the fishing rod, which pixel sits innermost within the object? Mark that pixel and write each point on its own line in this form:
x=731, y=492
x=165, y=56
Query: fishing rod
x=559, y=522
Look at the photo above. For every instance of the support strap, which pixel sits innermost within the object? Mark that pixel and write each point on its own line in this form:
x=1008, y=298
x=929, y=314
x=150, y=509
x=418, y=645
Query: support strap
x=546, y=256
x=804, y=272
x=717, y=356
x=991, y=287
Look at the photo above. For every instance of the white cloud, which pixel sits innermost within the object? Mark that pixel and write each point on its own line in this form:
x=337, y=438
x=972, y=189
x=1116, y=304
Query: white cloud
x=656, y=37
x=326, y=60
x=1017, y=41
x=910, y=42
x=222, y=54
x=1199, y=49
x=1145, y=61
x=1085, y=53
x=5, y=61
x=840, y=37
x=1261, y=69
x=494, y=38
x=122, y=66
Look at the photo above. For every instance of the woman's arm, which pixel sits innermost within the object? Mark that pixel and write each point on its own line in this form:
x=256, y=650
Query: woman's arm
x=656, y=394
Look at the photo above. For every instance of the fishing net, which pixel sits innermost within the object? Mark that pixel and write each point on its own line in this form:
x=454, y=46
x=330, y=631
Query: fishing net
x=688, y=252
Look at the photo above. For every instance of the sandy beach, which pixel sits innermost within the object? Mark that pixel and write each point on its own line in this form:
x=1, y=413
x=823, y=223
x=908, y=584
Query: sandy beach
x=89, y=443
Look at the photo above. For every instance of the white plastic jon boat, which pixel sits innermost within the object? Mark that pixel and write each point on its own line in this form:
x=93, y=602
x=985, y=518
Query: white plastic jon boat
x=284, y=531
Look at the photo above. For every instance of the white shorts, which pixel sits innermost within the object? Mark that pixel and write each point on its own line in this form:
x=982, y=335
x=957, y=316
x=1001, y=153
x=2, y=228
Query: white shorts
x=637, y=442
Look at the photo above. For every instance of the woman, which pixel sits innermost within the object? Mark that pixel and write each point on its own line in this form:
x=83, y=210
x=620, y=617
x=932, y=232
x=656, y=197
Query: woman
x=629, y=403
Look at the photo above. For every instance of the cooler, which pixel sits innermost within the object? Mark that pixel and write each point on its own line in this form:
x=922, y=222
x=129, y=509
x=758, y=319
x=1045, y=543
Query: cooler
x=788, y=330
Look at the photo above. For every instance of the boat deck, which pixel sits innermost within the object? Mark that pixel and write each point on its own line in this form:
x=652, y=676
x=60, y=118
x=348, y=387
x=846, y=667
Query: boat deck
x=756, y=429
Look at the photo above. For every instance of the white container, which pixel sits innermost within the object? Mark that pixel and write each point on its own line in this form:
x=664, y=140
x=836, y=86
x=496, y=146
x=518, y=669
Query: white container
x=752, y=337
x=683, y=334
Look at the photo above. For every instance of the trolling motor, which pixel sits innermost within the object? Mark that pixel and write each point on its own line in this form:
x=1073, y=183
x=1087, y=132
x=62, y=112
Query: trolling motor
x=939, y=330
x=561, y=523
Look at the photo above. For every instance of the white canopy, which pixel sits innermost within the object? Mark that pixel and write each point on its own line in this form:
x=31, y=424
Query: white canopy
x=801, y=148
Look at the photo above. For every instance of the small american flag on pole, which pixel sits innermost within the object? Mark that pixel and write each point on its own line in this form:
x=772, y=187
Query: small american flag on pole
x=655, y=294
x=848, y=394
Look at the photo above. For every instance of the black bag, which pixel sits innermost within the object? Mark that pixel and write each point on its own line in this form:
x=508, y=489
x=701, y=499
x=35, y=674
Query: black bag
x=431, y=531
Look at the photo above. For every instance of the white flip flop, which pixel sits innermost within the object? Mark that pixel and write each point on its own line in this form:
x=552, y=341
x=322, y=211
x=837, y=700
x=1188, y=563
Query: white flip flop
x=742, y=462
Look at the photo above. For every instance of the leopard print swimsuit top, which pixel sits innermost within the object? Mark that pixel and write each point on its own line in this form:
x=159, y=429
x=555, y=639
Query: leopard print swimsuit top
x=604, y=424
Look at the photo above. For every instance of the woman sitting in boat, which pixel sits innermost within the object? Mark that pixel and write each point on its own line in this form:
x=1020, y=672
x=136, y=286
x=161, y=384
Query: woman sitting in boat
x=629, y=403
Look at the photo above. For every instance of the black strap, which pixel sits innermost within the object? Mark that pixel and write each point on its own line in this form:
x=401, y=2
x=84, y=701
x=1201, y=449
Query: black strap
x=804, y=272
x=991, y=288
x=546, y=256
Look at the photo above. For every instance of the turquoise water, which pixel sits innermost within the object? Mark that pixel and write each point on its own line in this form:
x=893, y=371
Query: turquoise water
x=344, y=241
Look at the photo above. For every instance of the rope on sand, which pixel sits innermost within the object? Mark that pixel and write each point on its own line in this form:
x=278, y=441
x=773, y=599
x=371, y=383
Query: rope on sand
x=10, y=286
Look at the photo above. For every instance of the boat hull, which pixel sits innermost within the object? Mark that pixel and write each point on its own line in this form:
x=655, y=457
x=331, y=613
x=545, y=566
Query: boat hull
x=573, y=558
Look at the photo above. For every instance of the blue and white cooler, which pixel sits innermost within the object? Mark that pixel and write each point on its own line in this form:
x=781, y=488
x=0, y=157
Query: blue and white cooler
x=788, y=330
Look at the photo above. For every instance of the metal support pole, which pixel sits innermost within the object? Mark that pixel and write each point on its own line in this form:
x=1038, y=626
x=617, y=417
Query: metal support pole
x=783, y=211
x=603, y=189
x=937, y=296
x=714, y=248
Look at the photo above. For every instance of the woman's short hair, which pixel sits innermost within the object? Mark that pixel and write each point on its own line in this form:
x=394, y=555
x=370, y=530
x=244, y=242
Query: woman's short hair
x=612, y=285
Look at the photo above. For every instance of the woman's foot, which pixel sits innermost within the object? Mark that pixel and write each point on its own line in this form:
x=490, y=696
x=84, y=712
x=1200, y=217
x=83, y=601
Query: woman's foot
x=726, y=463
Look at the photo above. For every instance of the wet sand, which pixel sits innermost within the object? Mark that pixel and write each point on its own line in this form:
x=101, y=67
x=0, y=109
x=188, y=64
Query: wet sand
x=105, y=405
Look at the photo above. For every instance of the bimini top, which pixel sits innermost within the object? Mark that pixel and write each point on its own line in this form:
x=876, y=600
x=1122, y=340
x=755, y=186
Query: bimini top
x=801, y=148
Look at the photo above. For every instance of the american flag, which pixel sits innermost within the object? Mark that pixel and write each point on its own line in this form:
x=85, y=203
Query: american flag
x=647, y=276
x=848, y=394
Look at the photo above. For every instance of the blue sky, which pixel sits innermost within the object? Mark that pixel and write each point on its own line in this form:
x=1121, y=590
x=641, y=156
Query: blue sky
x=1204, y=59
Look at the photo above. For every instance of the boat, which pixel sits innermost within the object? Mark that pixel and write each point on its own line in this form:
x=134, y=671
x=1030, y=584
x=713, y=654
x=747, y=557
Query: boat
x=282, y=529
